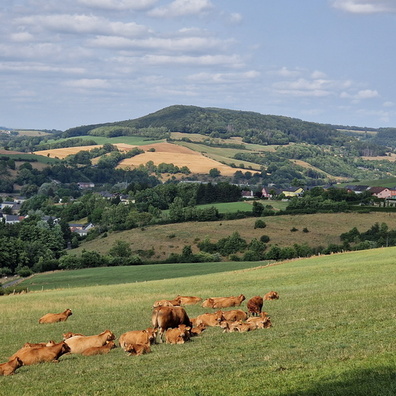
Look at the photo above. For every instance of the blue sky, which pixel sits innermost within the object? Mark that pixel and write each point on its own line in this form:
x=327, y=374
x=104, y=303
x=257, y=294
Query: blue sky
x=77, y=62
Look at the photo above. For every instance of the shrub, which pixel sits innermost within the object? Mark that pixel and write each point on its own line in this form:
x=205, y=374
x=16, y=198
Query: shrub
x=259, y=224
x=305, y=229
x=264, y=238
x=294, y=229
x=25, y=272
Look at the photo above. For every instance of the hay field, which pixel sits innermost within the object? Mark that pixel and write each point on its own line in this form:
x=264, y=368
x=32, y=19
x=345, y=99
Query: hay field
x=64, y=152
x=179, y=156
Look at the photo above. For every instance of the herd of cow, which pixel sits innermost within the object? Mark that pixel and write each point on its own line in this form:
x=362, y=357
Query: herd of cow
x=169, y=321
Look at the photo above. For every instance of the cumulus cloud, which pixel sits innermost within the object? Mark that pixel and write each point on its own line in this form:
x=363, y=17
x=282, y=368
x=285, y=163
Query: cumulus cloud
x=187, y=44
x=88, y=83
x=365, y=6
x=119, y=4
x=224, y=77
x=78, y=24
x=360, y=95
x=182, y=7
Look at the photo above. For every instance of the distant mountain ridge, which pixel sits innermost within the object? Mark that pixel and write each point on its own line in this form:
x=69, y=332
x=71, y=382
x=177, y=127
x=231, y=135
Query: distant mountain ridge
x=252, y=126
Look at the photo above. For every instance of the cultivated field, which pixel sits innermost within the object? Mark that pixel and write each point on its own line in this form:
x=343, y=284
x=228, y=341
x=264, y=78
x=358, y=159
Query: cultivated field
x=332, y=334
x=179, y=156
x=324, y=228
x=64, y=152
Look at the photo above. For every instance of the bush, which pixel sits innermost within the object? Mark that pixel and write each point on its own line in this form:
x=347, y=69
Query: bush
x=264, y=238
x=25, y=272
x=294, y=229
x=305, y=229
x=259, y=224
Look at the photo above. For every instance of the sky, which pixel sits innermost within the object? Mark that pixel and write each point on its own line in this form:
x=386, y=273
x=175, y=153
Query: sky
x=66, y=63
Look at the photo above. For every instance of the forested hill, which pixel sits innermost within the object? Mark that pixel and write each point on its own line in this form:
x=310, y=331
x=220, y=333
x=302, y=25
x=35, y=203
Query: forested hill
x=252, y=127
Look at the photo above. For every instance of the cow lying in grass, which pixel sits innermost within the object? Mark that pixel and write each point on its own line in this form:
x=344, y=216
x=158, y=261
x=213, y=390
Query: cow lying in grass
x=223, y=302
x=31, y=345
x=43, y=354
x=9, y=367
x=79, y=344
x=55, y=317
x=142, y=337
x=179, y=335
x=102, y=350
x=137, y=349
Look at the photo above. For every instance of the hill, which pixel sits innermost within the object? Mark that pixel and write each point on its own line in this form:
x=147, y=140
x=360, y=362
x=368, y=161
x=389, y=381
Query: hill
x=253, y=127
x=162, y=240
x=332, y=334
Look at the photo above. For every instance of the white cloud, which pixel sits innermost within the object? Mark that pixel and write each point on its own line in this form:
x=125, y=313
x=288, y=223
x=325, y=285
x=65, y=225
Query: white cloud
x=286, y=72
x=182, y=7
x=365, y=6
x=87, y=24
x=388, y=104
x=119, y=4
x=21, y=37
x=224, y=77
x=304, y=87
x=188, y=44
x=360, y=95
x=88, y=83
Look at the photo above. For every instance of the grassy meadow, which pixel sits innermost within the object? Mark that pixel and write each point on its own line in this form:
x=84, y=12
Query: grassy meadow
x=324, y=229
x=332, y=334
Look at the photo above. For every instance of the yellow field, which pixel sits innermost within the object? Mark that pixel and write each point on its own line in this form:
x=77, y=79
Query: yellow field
x=180, y=156
x=64, y=152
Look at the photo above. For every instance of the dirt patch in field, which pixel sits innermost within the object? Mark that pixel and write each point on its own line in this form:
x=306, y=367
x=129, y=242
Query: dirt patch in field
x=391, y=158
x=5, y=152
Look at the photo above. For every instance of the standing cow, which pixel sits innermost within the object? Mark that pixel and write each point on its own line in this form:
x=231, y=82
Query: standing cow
x=164, y=318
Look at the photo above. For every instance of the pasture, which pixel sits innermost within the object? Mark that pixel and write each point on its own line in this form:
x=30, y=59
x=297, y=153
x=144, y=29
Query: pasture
x=332, y=334
x=324, y=229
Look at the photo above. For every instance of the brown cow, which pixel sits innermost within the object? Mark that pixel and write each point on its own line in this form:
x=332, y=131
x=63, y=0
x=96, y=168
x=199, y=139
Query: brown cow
x=43, y=354
x=272, y=295
x=8, y=368
x=261, y=322
x=188, y=300
x=143, y=337
x=209, y=319
x=31, y=345
x=223, y=302
x=234, y=314
x=255, y=305
x=166, y=303
x=99, y=350
x=69, y=334
x=197, y=330
x=78, y=344
x=178, y=335
x=229, y=326
x=137, y=349
x=55, y=317
x=164, y=318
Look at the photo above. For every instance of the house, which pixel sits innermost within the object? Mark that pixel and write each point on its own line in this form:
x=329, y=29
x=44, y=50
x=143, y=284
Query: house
x=266, y=192
x=381, y=192
x=81, y=229
x=246, y=194
x=85, y=185
x=12, y=219
x=357, y=189
x=293, y=192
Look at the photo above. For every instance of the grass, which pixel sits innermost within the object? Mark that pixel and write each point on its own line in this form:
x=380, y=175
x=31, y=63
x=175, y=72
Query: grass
x=324, y=228
x=130, y=274
x=332, y=334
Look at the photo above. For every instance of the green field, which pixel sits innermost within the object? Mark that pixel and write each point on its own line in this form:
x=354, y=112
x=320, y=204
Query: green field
x=333, y=334
x=132, y=140
x=131, y=274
